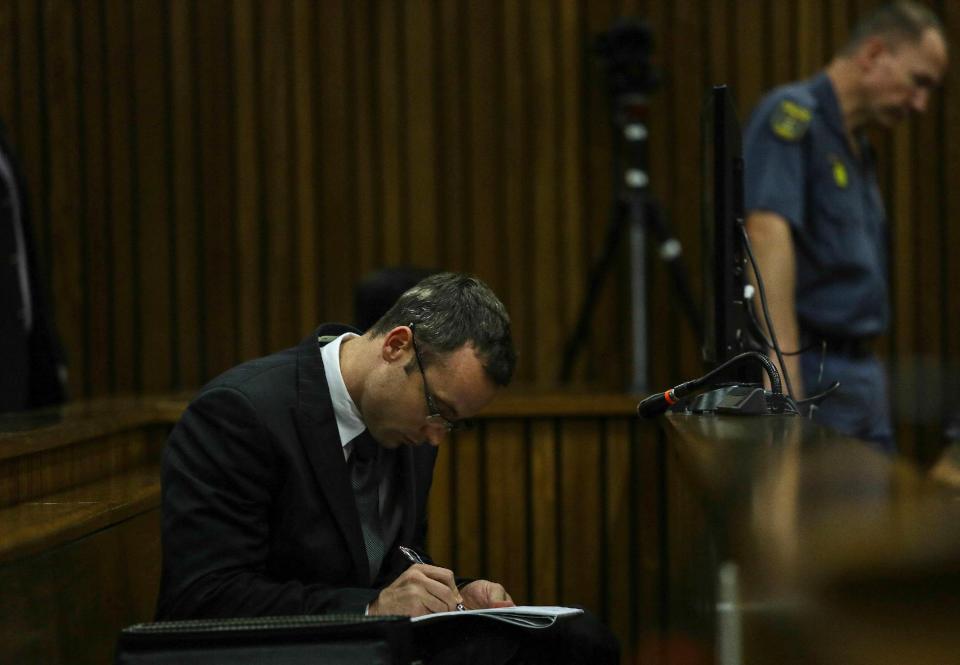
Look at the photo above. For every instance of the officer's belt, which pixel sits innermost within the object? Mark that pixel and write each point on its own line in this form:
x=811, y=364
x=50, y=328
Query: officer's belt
x=854, y=347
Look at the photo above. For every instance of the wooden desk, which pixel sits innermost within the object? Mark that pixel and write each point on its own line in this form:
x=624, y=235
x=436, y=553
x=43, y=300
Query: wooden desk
x=79, y=518
x=792, y=545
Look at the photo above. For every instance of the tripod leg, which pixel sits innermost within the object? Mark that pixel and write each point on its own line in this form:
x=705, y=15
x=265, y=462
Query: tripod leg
x=598, y=273
x=669, y=251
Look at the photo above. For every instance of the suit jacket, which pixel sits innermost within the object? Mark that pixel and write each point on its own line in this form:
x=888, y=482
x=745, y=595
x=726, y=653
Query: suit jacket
x=32, y=362
x=259, y=517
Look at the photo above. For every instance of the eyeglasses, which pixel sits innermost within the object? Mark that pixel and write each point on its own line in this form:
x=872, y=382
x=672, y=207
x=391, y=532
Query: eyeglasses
x=434, y=417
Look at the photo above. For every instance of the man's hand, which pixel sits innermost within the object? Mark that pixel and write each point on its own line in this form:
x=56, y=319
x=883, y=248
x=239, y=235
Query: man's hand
x=421, y=589
x=483, y=594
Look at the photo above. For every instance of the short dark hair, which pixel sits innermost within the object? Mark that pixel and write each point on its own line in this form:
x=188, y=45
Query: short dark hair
x=449, y=310
x=895, y=22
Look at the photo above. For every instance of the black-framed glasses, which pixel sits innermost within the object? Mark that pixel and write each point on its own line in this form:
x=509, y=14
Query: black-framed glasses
x=434, y=417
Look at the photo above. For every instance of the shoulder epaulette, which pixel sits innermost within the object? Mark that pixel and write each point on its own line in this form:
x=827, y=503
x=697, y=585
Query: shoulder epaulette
x=790, y=120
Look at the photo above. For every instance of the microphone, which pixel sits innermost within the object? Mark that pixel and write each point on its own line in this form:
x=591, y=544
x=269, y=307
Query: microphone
x=657, y=403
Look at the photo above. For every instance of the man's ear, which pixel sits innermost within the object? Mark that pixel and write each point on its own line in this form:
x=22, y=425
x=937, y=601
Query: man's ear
x=870, y=51
x=396, y=344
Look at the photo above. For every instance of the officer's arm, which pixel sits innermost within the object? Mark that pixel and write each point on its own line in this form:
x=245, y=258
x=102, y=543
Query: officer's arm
x=772, y=243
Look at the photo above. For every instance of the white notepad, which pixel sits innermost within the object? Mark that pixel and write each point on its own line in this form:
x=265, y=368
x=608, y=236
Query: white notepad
x=525, y=616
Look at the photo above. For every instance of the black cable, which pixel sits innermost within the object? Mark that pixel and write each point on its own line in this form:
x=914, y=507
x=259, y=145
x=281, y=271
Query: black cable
x=758, y=332
x=819, y=397
x=763, y=303
x=775, y=385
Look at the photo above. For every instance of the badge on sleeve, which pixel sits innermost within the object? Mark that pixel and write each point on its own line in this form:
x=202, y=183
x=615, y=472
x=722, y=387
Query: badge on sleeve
x=790, y=121
x=839, y=172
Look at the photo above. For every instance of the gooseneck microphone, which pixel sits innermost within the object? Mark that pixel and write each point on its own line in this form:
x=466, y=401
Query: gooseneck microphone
x=657, y=403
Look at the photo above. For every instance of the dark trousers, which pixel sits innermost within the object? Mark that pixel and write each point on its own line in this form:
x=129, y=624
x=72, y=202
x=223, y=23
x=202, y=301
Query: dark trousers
x=861, y=406
x=480, y=641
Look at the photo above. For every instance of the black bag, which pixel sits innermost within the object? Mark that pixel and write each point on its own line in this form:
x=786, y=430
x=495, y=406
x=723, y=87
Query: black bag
x=294, y=640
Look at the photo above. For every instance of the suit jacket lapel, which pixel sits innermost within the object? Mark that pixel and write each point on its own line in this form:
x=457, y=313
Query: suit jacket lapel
x=317, y=427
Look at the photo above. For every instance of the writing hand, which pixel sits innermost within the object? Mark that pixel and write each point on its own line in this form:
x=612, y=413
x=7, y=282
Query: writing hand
x=421, y=589
x=484, y=594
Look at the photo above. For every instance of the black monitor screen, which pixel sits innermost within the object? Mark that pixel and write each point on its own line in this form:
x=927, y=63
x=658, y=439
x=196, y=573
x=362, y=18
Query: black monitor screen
x=722, y=211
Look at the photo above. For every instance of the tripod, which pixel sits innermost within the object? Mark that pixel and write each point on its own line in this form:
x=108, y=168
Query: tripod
x=636, y=211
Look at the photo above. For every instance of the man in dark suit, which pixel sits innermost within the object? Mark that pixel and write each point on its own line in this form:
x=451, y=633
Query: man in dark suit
x=267, y=508
x=34, y=371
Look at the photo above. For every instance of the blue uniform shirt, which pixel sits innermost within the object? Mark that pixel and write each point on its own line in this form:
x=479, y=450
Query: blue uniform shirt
x=799, y=165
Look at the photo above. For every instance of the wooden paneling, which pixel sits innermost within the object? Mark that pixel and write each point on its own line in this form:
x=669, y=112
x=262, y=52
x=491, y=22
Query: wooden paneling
x=209, y=178
x=559, y=500
x=80, y=517
x=68, y=604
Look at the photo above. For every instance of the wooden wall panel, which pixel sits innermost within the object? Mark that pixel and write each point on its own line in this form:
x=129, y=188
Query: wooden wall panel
x=364, y=171
x=620, y=556
x=467, y=500
x=8, y=64
x=581, y=540
x=544, y=512
x=153, y=252
x=518, y=104
x=122, y=216
x=560, y=509
x=214, y=117
x=663, y=115
x=335, y=236
x=185, y=185
x=209, y=178
x=63, y=180
x=305, y=173
x=506, y=538
x=94, y=215
x=250, y=218
x=68, y=604
x=277, y=155
x=389, y=106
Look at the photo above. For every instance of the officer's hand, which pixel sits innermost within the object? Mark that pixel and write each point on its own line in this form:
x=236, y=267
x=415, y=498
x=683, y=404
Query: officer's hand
x=421, y=589
x=483, y=594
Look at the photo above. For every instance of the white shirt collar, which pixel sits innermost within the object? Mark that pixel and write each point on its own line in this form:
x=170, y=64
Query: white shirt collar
x=349, y=422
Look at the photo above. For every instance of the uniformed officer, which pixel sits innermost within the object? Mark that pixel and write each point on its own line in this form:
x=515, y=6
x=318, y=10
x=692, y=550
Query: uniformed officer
x=816, y=216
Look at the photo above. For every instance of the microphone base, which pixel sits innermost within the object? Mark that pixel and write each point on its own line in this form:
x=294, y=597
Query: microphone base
x=738, y=399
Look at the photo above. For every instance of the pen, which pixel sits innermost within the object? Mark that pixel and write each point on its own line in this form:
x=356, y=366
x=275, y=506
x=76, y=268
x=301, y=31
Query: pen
x=412, y=554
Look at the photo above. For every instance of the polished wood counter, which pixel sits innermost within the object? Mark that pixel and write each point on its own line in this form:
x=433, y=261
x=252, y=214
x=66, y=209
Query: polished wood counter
x=790, y=544
x=70, y=471
x=80, y=525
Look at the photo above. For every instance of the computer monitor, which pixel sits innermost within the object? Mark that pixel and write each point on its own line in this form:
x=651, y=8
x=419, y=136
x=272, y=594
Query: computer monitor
x=724, y=266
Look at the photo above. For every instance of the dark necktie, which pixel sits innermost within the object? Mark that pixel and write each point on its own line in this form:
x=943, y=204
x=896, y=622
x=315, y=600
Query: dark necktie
x=365, y=479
